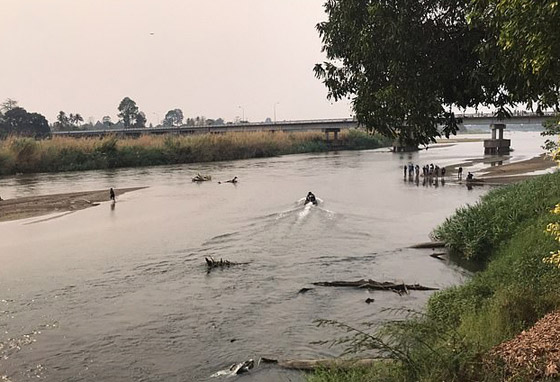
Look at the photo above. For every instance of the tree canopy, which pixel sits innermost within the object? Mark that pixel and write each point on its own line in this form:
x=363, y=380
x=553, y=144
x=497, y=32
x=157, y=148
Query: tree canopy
x=173, y=118
x=128, y=111
x=407, y=64
x=20, y=122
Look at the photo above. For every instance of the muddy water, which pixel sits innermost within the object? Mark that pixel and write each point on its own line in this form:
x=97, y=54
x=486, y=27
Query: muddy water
x=120, y=294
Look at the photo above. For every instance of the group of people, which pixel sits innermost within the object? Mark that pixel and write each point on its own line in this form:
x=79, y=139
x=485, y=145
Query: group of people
x=428, y=170
x=431, y=170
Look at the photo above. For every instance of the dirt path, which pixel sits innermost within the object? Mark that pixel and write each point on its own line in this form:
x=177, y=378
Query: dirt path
x=32, y=206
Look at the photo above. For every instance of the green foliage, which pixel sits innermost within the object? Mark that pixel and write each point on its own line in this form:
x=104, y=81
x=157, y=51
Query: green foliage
x=521, y=48
x=406, y=63
x=551, y=129
x=475, y=231
x=128, y=111
x=379, y=372
x=173, y=118
x=18, y=121
x=360, y=140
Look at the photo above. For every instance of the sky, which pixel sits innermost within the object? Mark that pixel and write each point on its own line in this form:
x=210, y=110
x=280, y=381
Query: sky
x=212, y=58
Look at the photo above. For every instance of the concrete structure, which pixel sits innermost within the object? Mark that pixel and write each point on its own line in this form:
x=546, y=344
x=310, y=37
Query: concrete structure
x=324, y=125
x=497, y=145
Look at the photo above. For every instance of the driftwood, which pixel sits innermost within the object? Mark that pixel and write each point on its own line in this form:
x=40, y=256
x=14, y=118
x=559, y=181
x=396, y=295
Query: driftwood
x=201, y=178
x=430, y=244
x=211, y=263
x=372, y=284
x=312, y=364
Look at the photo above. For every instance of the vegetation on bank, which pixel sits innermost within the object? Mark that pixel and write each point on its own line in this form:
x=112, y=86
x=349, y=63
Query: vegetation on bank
x=27, y=155
x=452, y=339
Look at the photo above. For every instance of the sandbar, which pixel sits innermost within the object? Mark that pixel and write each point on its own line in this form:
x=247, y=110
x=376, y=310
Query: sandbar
x=33, y=206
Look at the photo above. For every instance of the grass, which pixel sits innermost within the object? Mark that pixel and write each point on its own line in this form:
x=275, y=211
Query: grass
x=451, y=340
x=26, y=155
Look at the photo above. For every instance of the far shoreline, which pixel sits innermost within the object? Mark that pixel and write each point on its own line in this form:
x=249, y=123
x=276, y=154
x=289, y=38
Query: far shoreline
x=35, y=206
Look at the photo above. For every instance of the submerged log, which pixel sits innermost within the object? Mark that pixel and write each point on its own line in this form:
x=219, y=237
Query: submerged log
x=372, y=284
x=430, y=244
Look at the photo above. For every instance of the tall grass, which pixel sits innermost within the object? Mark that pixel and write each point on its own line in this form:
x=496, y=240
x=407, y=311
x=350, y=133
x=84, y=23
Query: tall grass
x=25, y=155
x=451, y=340
x=475, y=231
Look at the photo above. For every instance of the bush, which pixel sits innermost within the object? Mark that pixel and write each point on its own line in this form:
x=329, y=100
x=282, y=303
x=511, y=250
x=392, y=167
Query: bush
x=475, y=231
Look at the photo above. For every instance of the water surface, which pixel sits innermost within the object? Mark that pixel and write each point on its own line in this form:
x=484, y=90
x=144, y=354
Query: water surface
x=120, y=294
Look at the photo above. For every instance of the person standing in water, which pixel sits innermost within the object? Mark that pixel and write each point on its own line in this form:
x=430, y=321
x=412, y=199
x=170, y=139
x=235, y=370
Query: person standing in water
x=112, y=194
x=460, y=173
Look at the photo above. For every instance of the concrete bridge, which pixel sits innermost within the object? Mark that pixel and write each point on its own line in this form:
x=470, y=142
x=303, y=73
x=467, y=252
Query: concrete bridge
x=323, y=125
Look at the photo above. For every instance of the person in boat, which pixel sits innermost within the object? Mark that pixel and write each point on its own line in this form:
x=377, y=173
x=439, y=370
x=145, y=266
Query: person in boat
x=311, y=198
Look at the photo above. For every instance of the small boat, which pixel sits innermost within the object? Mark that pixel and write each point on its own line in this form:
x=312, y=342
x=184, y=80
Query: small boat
x=201, y=178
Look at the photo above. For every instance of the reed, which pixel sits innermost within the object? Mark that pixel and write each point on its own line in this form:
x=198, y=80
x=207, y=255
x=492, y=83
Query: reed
x=25, y=155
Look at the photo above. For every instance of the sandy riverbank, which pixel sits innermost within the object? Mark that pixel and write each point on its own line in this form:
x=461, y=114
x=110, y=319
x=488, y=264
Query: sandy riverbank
x=32, y=206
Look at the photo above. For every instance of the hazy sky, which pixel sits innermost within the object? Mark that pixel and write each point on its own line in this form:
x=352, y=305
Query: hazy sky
x=206, y=57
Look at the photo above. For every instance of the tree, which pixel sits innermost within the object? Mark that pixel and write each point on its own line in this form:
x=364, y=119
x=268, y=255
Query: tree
x=407, y=64
x=8, y=105
x=106, y=120
x=173, y=118
x=18, y=121
x=140, y=120
x=77, y=119
x=521, y=46
x=62, y=121
x=128, y=111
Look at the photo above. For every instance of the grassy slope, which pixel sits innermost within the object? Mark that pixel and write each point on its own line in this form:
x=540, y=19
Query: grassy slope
x=506, y=232
x=26, y=155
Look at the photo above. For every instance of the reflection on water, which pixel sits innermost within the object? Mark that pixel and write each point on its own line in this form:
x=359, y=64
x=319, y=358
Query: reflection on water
x=128, y=290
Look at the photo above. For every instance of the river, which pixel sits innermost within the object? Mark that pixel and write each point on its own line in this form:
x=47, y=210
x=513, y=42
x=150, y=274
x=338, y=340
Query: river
x=121, y=294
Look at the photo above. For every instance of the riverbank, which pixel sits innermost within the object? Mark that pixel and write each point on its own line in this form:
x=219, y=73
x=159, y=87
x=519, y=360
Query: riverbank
x=58, y=154
x=33, y=206
x=458, y=337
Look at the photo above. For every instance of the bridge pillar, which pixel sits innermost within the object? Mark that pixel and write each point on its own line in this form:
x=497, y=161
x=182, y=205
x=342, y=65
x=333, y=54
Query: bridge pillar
x=334, y=130
x=497, y=145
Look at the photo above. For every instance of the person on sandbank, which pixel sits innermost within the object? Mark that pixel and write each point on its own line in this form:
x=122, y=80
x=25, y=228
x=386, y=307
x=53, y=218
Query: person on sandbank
x=310, y=198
